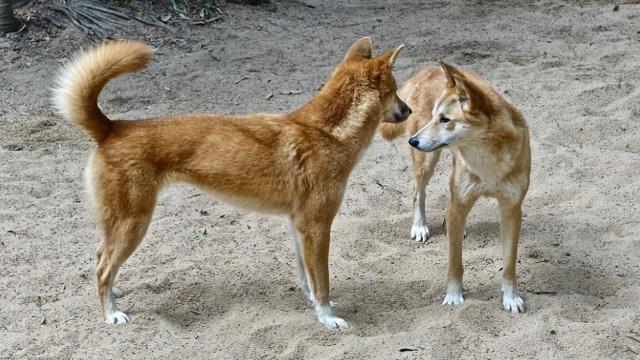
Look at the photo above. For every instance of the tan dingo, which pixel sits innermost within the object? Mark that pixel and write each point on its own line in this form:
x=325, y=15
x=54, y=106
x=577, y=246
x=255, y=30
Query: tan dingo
x=489, y=140
x=295, y=164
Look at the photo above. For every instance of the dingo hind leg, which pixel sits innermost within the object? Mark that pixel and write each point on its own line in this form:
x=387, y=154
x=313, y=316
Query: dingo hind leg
x=457, y=212
x=124, y=209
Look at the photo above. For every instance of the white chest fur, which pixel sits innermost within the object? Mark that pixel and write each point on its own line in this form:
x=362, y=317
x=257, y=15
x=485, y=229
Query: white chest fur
x=481, y=173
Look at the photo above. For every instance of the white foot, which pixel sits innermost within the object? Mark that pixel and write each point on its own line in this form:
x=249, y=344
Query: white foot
x=420, y=232
x=117, y=293
x=326, y=317
x=454, y=295
x=511, y=301
x=117, y=317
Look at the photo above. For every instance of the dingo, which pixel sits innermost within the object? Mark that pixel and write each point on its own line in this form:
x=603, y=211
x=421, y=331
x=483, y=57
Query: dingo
x=489, y=140
x=295, y=164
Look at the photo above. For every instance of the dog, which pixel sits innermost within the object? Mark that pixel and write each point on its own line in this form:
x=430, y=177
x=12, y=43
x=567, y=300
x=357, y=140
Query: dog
x=295, y=164
x=489, y=141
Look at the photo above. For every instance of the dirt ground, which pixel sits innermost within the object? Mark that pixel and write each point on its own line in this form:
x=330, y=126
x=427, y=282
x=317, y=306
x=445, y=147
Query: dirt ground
x=213, y=281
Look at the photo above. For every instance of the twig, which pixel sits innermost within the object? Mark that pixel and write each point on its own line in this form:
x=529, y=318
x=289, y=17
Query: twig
x=541, y=292
x=238, y=81
x=385, y=187
x=634, y=339
x=205, y=22
x=151, y=23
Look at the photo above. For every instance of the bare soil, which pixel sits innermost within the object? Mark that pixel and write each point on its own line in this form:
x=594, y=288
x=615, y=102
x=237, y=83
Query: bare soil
x=213, y=281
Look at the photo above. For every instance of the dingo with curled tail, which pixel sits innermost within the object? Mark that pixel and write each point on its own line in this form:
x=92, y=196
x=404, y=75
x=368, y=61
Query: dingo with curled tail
x=489, y=140
x=295, y=164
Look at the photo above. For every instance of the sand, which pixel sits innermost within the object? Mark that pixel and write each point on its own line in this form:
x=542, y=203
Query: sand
x=213, y=281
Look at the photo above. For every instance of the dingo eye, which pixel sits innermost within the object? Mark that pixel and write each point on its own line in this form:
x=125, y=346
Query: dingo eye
x=444, y=120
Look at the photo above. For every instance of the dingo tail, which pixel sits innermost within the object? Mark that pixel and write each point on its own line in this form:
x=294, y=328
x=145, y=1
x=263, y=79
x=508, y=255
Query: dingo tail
x=80, y=82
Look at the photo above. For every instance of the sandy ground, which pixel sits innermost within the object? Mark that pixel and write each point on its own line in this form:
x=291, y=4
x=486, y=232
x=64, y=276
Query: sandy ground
x=213, y=281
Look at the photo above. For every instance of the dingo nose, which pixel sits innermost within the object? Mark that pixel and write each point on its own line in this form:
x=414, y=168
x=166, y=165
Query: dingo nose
x=403, y=113
x=413, y=141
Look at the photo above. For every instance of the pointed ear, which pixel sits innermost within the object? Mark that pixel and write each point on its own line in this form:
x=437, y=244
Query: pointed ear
x=471, y=97
x=462, y=90
x=390, y=56
x=456, y=79
x=450, y=72
x=360, y=49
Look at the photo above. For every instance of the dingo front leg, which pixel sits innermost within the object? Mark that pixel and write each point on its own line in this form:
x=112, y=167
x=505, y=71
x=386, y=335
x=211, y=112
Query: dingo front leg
x=303, y=283
x=315, y=237
x=511, y=219
x=423, y=165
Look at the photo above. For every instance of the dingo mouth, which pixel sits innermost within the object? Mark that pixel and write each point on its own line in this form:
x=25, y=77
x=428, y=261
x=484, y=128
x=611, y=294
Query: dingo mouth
x=426, y=146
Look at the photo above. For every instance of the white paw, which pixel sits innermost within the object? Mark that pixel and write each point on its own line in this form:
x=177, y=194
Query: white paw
x=117, y=317
x=512, y=302
x=117, y=293
x=454, y=295
x=453, y=299
x=326, y=317
x=420, y=232
x=334, y=322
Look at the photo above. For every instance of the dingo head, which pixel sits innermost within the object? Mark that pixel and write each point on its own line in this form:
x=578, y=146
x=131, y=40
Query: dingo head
x=376, y=74
x=460, y=114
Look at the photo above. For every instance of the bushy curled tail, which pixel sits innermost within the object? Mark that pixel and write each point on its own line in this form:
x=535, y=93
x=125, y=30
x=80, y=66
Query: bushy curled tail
x=75, y=95
x=390, y=131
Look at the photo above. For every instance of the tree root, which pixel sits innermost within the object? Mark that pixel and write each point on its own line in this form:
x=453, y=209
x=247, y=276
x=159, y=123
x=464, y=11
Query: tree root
x=95, y=20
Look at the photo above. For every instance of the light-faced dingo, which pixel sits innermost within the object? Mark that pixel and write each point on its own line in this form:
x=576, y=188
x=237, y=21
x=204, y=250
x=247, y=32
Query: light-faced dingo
x=489, y=140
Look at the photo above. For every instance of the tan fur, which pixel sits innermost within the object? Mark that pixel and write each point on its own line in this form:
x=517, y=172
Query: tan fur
x=489, y=140
x=81, y=81
x=295, y=164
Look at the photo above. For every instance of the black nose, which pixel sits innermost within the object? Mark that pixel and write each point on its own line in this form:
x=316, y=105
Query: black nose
x=406, y=111
x=413, y=141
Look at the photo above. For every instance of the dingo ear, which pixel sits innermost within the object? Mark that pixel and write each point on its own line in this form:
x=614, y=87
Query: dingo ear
x=390, y=56
x=455, y=79
x=462, y=90
x=360, y=49
x=471, y=97
x=450, y=72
